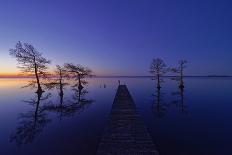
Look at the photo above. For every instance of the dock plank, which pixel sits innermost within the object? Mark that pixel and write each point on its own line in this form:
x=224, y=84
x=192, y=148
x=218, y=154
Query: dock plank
x=125, y=132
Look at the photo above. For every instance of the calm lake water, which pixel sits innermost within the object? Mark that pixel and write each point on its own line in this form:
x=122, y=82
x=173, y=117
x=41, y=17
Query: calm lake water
x=194, y=122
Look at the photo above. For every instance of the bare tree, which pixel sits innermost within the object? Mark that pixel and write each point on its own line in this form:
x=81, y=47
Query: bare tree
x=158, y=68
x=79, y=72
x=31, y=62
x=180, y=71
x=62, y=73
x=58, y=82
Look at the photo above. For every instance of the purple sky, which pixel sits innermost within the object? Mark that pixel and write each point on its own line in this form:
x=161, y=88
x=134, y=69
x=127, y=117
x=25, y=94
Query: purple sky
x=120, y=37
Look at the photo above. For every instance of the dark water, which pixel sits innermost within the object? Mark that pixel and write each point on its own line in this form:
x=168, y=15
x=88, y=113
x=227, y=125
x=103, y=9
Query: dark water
x=194, y=122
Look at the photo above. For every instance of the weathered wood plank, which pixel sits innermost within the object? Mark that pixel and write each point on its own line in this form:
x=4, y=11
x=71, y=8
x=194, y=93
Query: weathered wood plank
x=125, y=133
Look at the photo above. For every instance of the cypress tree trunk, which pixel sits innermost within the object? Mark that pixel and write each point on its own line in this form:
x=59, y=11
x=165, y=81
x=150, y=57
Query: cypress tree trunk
x=80, y=87
x=61, y=85
x=158, y=82
x=37, y=79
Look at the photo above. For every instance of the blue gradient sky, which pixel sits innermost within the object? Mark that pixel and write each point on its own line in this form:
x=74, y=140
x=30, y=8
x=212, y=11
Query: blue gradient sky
x=120, y=37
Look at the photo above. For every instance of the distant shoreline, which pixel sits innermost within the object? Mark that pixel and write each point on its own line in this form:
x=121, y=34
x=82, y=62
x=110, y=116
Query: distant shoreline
x=161, y=76
x=199, y=76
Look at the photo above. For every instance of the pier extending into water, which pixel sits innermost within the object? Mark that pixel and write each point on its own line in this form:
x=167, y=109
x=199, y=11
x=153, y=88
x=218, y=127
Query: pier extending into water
x=125, y=132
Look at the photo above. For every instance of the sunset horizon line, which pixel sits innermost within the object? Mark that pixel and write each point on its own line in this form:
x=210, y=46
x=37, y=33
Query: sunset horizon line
x=12, y=75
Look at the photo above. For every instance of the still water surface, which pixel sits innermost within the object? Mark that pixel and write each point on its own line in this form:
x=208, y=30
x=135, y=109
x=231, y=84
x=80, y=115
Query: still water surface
x=194, y=122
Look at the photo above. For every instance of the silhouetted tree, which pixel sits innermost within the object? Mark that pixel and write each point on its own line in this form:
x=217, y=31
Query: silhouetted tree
x=79, y=72
x=62, y=73
x=180, y=71
x=31, y=62
x=70, y=107
x=158, y=68
x=58, y=82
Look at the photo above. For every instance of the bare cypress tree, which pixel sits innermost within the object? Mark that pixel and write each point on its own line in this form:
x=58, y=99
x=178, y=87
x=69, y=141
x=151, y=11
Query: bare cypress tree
x=180, y=71
x=60, y=73
x=31, y=62
x=79, y=72
x=158, y=68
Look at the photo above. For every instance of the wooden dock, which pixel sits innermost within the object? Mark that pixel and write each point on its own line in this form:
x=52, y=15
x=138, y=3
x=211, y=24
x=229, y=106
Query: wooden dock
x=125, y=132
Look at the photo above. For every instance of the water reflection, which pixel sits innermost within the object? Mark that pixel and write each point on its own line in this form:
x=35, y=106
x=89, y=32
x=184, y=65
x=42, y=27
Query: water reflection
x=180, y=101
x=32, y=122
x=162, y=102
x=201, y=97
x=79, y=96
x=70, y=107
x=158, y=105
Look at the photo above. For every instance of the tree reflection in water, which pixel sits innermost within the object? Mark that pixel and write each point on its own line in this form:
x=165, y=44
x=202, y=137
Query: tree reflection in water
x=70, y=107
x=158, y=105
x=32, y=122
x=180, y=101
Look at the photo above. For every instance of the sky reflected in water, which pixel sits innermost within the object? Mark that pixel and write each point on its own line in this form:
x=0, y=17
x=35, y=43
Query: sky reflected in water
x=195, y=121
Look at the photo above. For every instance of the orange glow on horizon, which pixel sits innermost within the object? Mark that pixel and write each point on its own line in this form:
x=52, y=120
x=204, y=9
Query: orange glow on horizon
x=15, y=72
x=6, y=83
x=9, y=75
x=12, y=74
